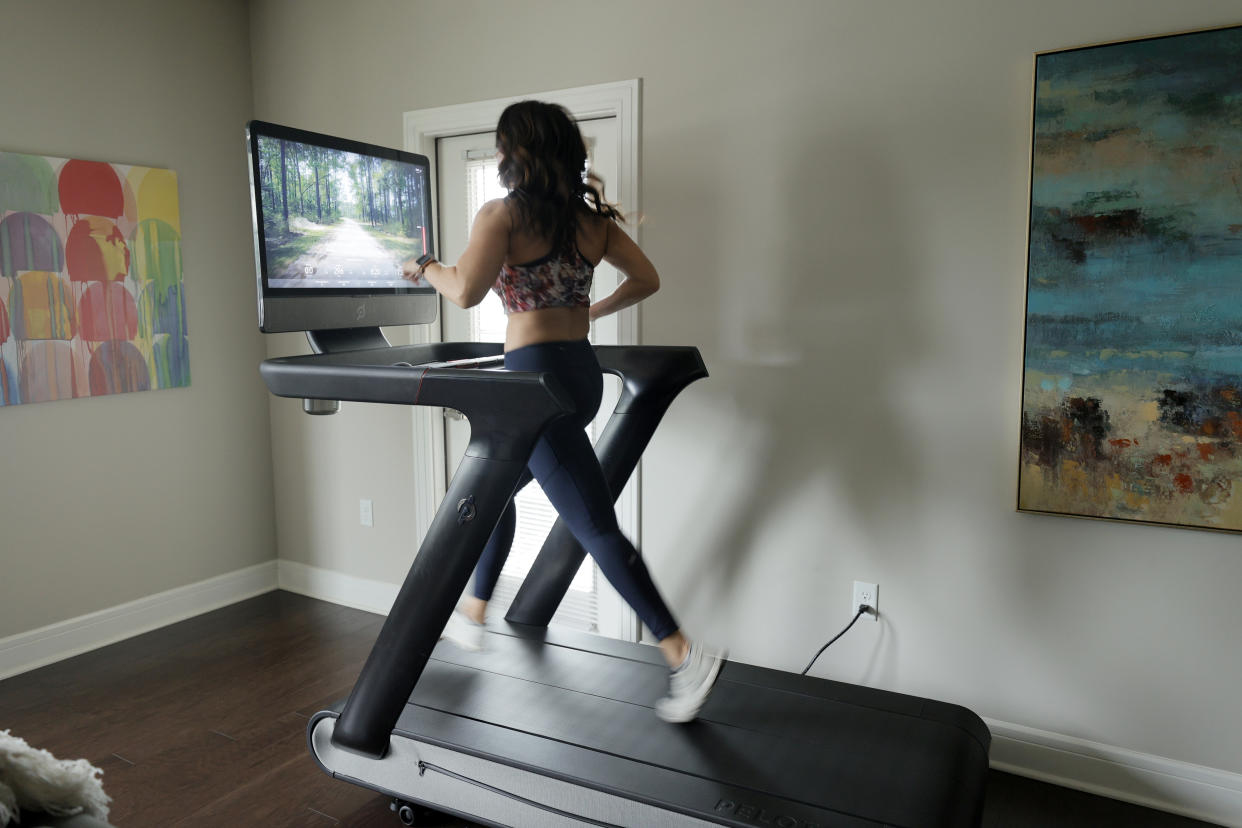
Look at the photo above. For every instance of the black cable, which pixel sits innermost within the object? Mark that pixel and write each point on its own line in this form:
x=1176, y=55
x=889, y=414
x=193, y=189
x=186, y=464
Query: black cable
x=862, y=608
x=423, y=767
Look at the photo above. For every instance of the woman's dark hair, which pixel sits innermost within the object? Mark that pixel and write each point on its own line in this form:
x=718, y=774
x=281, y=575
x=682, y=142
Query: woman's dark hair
x=544, y=168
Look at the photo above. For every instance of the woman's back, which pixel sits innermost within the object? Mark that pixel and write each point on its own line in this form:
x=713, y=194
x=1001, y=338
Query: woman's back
x=545, y=238
x=528, y=249
x=528, y=246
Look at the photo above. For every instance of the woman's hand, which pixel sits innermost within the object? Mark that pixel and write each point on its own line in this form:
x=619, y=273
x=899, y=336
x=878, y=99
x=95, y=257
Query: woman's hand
x=640, y=276
x=466, y=283
x=412, y=271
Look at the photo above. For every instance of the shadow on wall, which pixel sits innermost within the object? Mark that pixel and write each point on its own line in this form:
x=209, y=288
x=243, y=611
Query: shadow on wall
x=815, y=333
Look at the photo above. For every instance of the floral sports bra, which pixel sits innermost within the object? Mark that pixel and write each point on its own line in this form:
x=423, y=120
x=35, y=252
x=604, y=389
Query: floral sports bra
x=561, y=280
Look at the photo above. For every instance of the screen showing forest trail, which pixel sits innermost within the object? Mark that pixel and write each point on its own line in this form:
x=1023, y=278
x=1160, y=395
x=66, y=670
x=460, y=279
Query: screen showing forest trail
x=337, y=219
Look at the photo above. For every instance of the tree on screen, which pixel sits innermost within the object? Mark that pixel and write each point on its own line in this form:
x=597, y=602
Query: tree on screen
x=320, y=186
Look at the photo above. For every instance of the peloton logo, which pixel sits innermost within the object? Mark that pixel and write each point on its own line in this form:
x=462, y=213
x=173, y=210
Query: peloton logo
x=761, y=816
x=362, y=311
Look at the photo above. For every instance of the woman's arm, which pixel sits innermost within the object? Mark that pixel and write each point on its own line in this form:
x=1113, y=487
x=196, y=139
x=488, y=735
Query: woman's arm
x=641, y=279
x=466, y=284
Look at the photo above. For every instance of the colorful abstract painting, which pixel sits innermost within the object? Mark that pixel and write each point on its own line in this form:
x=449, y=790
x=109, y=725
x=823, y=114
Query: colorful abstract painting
x=1132, y=391
x=91, y=298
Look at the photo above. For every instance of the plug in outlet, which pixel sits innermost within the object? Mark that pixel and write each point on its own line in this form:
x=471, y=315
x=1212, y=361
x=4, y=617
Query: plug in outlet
x=366, y=514
x=869, y=594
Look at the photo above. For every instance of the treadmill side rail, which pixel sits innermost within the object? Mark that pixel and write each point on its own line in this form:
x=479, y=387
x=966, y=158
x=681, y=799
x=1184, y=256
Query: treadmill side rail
x=496, y=790
x=479, y=493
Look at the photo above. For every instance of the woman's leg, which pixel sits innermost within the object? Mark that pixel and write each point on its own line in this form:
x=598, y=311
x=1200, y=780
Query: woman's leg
x=492, y=560
x=567, y=469
x=576, y=486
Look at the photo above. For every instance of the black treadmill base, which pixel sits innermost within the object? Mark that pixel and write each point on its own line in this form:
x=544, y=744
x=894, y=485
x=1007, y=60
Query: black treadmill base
x=770, y=748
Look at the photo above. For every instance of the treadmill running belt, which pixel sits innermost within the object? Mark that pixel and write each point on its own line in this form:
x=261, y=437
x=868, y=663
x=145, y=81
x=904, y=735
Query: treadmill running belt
x=800, y=750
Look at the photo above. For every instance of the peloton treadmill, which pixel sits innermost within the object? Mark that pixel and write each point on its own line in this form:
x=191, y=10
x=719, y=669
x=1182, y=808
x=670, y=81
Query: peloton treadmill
x=548, y=727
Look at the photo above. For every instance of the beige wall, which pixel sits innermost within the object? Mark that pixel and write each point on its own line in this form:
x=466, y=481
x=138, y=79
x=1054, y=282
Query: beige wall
x=835, y=192
x=111, y=499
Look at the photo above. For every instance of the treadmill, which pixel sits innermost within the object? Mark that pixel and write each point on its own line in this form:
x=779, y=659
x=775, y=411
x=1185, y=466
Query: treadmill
x=549, y=727
x=546, y=727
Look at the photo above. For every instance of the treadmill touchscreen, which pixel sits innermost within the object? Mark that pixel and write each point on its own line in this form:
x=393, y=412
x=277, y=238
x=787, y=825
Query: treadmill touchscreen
x=338, y=218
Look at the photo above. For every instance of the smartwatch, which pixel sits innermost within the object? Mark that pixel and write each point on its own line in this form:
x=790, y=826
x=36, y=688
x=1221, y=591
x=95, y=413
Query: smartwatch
x=424, y=260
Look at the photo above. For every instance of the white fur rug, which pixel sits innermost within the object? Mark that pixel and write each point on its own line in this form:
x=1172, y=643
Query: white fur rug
x=32, y=779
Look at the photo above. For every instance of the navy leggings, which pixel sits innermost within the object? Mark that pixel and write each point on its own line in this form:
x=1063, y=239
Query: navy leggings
x=569, y=473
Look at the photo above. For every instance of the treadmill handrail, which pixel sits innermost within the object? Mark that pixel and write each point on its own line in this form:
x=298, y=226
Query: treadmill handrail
x=408, y=385
x=503, y=407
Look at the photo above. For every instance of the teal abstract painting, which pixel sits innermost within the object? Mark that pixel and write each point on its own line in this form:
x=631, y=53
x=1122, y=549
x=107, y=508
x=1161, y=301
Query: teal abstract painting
x=1132, y=386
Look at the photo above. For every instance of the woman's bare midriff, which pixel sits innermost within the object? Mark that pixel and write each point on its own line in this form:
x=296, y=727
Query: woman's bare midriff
x=546, y=325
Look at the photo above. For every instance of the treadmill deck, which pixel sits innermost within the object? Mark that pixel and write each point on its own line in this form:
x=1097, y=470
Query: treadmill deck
x=566, y=719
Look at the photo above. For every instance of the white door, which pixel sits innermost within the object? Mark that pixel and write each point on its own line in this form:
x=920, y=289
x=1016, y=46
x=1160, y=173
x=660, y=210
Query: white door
x=466, y=169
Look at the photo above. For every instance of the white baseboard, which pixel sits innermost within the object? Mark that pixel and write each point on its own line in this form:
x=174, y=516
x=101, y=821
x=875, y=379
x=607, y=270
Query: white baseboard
x=37, y=648
x=337, y=587
x=1192, y=791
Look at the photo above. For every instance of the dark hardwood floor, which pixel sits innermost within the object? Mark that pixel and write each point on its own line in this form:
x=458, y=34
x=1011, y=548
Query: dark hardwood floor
x=202, y=724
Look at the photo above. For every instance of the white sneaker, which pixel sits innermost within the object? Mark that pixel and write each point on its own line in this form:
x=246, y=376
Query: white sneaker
x=691, y=684
x=464, y=632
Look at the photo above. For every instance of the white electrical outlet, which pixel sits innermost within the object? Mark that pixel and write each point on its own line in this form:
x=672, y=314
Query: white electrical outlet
x=366, y=515
x=869, y=594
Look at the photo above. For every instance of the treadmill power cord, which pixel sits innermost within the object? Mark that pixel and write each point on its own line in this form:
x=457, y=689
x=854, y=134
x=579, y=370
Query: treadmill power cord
x=423, y=767
x=862, y=609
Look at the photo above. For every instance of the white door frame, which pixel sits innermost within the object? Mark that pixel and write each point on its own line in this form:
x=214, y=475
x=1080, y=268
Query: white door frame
x=421, y=128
